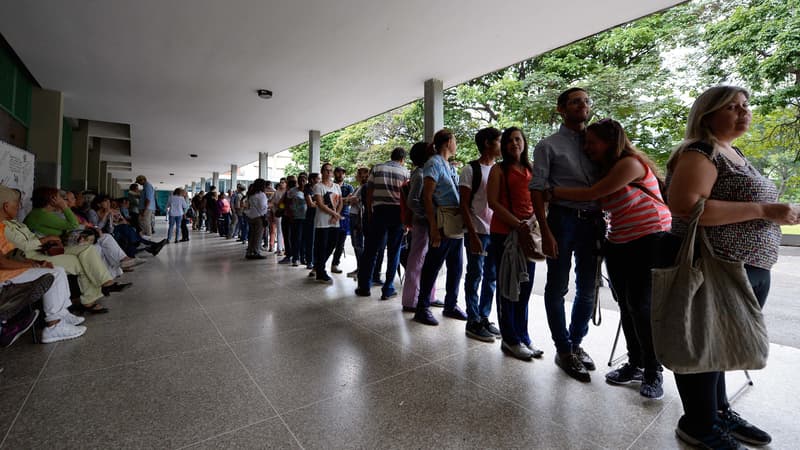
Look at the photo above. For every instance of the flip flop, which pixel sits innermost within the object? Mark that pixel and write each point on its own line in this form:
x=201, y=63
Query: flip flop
x=94, y=308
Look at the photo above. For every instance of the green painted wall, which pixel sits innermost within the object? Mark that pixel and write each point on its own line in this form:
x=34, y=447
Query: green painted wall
x=15, y=90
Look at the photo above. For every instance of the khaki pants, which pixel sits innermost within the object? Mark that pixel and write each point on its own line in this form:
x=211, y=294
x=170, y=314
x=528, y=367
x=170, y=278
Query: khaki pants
x=146, y=222
x=85, y=262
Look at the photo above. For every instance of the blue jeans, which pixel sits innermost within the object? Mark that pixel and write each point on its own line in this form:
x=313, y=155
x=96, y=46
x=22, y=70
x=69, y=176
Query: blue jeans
x=244, y=227
x=385, y=228
x=479, y=266
x=448, y=251
x=578, y=236
x=513, y=315
x=174, y=222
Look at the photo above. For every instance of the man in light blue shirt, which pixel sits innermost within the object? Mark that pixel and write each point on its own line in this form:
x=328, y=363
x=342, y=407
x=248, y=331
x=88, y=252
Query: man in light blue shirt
x=568, y=228
x=147, y=205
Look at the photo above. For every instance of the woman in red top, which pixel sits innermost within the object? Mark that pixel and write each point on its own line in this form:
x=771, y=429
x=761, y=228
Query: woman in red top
x=510, y=201
x=629, y=192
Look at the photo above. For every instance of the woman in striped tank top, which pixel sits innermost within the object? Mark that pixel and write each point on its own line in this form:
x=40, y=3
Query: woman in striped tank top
x=629, y=192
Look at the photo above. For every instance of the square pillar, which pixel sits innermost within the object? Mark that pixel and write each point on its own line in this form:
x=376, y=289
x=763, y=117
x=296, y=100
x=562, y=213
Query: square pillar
x=93, y=165
x=80, y=157
x=45, y=134
x=433, y=104
x=263, y=165
x=194, y=188
x=313, y=151
x=215, y=180
x=103, y=183
x=234, y=174
x=203, y=186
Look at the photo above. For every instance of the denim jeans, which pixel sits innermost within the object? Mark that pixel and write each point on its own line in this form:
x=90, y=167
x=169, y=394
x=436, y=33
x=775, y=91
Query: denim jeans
x=449, y=252
x=174, y=223
x=703, y=394
x=385, y=229
x=512, y=316
x=344, y=226
x=297, y=249
x=244, y=227
x=224, y=224
x=480, y=267
x=324, y=241
x=357, y=236
x=578, y=236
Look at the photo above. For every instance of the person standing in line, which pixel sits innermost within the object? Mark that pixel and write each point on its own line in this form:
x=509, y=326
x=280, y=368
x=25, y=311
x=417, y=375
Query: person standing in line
x=741, y=220
x=440, y=196
x=236, y=211
x=212, y=210
x=276, y=218
x=134, y=198
x=477, y=215
x=147, y=206
x=344, y=224
x=386, y=225
x=224, y=208
x=199, y=210
x=356, y=213
x=419, y=232
x=311, y=213
x=296, y=202
x=510, y=228
x=257, y=217
x=568, y=228
x=639, y=219
x=286, y=222
x=328, y=198
x=185, y=219
x=177, y=207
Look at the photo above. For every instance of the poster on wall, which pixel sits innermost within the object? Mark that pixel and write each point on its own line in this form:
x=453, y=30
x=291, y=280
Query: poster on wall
x=16, y=171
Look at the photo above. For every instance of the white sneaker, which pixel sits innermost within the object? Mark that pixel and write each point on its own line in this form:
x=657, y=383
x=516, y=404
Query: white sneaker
x=61, y=331
x=72, y=319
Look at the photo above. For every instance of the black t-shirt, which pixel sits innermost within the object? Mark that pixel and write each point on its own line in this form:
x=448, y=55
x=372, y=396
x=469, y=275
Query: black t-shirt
x=309, y=192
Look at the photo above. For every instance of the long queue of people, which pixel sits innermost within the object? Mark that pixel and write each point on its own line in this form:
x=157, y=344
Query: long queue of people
x=88, y=237
x=589, y=193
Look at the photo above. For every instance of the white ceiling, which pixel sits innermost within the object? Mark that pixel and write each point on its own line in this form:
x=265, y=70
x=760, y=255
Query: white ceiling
x=183, y=73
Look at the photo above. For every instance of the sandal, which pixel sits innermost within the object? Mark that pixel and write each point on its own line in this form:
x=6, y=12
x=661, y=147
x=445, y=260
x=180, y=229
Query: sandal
x=95, y=308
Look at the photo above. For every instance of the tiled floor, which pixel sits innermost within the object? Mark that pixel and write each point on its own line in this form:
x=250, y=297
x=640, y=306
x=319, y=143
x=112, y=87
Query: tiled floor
x=209, y=350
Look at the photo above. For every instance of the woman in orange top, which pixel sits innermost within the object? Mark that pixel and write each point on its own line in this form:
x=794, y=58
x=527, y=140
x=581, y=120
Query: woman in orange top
x=509, y=199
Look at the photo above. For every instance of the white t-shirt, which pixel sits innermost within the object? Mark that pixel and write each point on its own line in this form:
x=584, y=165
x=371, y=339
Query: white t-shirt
x=322, y=219
x=481, y=215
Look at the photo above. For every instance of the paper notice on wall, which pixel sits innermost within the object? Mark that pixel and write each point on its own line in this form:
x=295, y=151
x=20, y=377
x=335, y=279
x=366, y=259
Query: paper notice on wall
x=16, y=171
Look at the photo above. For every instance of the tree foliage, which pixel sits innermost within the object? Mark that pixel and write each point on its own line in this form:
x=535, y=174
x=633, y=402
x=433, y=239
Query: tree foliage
x=643, y=74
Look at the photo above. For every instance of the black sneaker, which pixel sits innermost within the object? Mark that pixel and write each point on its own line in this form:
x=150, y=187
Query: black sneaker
x=476, y=330
x=651, y=386
x=570, y=363
x=741, y=429
x=585, y=359
x=22, y=322
x=491, y=328
x=718, y=439
x=426, y=317
x=625, y=374
x=324, y=278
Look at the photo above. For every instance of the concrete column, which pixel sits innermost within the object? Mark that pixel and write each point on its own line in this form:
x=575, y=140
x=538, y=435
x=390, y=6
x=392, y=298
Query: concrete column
x=80, y=156
x=109, y=184
x=433, y=104
x=101, y=186
x=313, y=151
x=234, y=174
x=93, y=165
x=215, y=179
x=203, y=185
x=263, y=165
x=194, y=187
x=44, y=136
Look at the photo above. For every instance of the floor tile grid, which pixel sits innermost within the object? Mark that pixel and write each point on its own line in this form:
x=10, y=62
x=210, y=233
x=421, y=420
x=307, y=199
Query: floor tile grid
x=652, y=423
x=509, y=400
x=247, y=371
x=27, y=396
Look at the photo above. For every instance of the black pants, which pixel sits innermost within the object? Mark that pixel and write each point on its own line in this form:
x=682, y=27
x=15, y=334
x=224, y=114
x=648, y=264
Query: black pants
x=185, y=229
x=629, y=266
x=703, y=394
x=324, y=242
x=286, y=229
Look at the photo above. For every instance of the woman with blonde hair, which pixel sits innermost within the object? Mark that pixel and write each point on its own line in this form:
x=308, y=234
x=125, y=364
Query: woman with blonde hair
x=741, y=220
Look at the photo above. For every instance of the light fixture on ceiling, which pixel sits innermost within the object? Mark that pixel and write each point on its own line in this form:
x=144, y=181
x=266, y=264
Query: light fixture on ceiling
x=264, y=93
x=171, y=174
x=192, y=155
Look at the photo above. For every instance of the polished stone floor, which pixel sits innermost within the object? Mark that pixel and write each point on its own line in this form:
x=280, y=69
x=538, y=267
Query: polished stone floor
x=208, y=350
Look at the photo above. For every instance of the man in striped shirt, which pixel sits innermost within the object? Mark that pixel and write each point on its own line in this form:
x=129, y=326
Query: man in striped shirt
x=382, y=209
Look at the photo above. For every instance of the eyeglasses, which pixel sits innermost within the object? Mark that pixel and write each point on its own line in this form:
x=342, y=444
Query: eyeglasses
x=581, y=101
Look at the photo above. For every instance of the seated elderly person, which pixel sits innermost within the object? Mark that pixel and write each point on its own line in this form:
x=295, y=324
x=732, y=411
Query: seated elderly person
x=52, y=216
x=60, y=323
x=81, y=260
